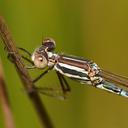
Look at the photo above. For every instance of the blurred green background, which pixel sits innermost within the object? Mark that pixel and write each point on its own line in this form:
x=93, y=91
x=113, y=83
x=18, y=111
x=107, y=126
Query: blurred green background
x=95, y=29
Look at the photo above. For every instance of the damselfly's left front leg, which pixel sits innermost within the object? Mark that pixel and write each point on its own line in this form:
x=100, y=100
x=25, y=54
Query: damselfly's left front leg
x=41, y=75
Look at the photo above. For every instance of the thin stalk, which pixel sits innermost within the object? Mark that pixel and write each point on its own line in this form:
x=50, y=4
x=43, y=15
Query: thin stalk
x=24, y=75
x=9, y=122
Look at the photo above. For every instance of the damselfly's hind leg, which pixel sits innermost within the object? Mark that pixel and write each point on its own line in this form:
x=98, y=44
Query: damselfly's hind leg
x=56, y=93
x=112, y=88
x=60, y=93
x=64, y=84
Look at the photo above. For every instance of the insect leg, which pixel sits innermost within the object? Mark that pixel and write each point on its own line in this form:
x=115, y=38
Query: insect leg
x=53, y=92
x=64, y=84
x=41, y=75
x=24, y=50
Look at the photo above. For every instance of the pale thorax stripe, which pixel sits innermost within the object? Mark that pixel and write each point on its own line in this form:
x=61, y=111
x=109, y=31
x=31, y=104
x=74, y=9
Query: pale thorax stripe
x=74, y=59
x=73, y=68
x=77, y=69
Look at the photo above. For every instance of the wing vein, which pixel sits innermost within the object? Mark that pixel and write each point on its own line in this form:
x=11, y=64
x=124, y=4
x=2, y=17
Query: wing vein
x=111, y=77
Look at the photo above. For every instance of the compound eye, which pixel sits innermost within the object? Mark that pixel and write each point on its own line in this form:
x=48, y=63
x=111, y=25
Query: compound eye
x=49, y=43
x=40, y=62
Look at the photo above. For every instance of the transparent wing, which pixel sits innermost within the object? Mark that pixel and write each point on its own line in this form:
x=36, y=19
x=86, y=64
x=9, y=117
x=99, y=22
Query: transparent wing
x=114, y=78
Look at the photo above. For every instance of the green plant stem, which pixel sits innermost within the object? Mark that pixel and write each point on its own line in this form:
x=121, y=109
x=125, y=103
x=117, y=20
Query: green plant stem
x=24, y=75
x=9, y=123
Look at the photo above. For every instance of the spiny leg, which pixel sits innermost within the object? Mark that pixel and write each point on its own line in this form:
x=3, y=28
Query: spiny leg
x=56, y=93
x=28, y=53
x=28, y=60
x=41, y=75
x=64, y=84
x=25, y=58
x=53, y=92
x=32, y=66
x=24, y=50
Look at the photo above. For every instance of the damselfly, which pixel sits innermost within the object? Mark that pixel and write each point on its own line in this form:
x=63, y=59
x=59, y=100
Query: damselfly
x=83, y=70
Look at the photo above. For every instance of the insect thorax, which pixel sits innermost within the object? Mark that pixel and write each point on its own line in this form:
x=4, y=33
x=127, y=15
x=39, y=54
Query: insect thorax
x=84, y=71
